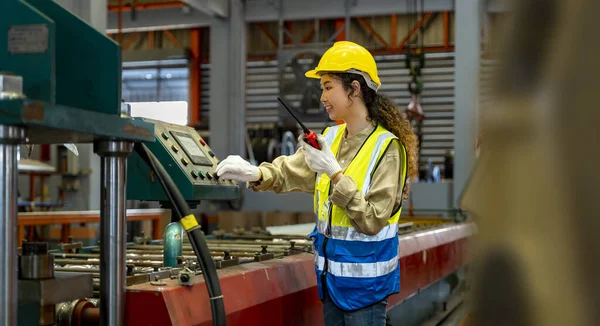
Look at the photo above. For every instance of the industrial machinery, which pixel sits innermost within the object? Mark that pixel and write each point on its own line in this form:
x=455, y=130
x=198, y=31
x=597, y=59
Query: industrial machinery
x=266, y=279
x=61, y=83
x=302, y=93
x=187, y=159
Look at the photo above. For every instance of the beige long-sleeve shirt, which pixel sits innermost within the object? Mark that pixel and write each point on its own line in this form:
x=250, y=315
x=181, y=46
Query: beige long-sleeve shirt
x=368, y=213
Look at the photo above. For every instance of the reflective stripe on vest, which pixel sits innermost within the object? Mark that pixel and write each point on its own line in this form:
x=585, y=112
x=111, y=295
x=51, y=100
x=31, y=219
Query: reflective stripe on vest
x=330, y=134
x=350, y=234
x=361, y=270
x=380, y=142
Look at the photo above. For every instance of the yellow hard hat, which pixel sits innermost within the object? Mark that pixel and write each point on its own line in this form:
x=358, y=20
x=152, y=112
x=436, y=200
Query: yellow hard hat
x=348, y=57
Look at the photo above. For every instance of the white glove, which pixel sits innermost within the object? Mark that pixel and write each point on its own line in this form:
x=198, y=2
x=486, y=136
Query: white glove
x=320, y=161
x=236, y=168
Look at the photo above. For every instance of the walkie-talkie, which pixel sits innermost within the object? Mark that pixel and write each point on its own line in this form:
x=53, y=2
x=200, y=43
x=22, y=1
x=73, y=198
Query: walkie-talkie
x=309, y=135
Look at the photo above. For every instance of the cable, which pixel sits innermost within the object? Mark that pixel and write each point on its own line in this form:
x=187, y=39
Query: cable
x=197, y=240
x=144, y=152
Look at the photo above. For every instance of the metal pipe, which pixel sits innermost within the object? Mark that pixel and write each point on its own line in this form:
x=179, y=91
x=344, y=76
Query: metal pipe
x=112, y=229
x=213, y=246
x=90, y=316
x=173, y=244
x=10, y=137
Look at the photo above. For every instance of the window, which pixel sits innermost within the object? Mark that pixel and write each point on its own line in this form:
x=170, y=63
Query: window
x=172, y=112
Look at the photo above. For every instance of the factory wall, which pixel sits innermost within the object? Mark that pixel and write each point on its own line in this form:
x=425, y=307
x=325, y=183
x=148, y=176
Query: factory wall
x=438, y=96
x=259, y=42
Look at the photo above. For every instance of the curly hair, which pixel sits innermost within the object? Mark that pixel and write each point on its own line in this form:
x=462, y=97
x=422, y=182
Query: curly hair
x=383, y=112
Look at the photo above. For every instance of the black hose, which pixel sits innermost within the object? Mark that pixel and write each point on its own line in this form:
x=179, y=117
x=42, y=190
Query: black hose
x=145, y=153
x=195, y=235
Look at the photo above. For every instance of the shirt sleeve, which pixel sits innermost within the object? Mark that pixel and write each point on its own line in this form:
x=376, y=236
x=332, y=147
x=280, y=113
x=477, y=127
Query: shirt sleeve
x=286, y=174
x=370, y=213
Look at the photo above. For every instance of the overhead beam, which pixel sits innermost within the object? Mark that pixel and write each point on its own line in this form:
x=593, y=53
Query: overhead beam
x=159, y=19
x=373, y=32
x=269, y=10
x=145, y=6
x=414, y=30
x=266, y=33
x=212, y=8
x=192, y=16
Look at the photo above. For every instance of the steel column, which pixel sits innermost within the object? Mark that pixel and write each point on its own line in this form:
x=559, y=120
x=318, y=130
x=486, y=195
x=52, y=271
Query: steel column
x=195, y=96
x=112, y=230
x=228, y=82
x=467, y=58
x=10, y=137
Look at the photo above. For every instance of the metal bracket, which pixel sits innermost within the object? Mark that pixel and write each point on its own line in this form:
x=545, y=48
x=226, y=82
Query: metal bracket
x=227, y=261
x=71, y=247
x=142, y=240
x=186, y=277
x=213, y=8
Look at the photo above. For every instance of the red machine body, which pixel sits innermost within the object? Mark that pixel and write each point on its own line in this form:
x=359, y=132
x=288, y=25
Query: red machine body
x=284, y=291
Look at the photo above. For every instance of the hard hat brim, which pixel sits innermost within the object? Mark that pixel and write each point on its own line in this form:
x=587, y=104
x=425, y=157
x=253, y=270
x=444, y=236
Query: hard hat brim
x=312, y=74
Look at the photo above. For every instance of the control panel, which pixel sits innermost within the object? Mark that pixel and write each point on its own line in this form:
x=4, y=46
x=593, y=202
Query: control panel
x=189, y=161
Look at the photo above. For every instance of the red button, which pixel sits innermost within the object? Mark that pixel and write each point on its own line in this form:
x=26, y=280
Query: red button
x=202, y=142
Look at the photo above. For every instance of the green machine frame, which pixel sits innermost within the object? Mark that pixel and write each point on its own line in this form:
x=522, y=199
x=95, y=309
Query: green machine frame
x=60, y=82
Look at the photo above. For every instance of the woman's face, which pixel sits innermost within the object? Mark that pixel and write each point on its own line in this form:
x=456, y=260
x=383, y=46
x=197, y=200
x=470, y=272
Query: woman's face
x=334, y=98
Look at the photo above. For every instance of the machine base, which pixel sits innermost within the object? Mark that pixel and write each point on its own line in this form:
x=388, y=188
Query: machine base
x=284, y=291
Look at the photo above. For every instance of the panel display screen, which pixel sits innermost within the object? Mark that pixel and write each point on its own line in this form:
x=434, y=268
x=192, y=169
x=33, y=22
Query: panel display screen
x=191, y=148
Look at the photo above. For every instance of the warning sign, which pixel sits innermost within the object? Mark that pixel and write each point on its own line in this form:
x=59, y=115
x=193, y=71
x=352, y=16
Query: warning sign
x=27, y=39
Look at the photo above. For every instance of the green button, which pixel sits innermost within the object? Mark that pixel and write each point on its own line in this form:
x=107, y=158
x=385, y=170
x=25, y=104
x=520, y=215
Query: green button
x=202, y=174
x=195, y=174
x=165, y=135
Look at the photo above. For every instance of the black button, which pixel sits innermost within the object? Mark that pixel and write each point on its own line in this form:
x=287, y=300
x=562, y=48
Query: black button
x=209, y=175
x=211, y=153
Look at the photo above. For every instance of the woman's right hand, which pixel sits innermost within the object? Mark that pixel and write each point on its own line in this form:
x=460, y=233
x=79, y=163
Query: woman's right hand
x=236, y=168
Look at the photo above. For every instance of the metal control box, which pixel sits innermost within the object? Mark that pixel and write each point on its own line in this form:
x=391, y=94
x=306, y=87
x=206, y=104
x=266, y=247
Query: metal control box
x=189, y=161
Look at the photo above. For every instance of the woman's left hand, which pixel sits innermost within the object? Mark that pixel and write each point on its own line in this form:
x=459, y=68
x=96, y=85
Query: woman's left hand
x=320, y=161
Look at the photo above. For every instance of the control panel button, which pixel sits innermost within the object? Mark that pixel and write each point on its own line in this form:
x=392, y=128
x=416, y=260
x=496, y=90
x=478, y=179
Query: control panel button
x=202, y=174
x=175, y=148
x=185, y=161
x=165, y=135
x=217, y=177
x=209, y=175
x=195, y=174
x=202, y=142
x=211, y=153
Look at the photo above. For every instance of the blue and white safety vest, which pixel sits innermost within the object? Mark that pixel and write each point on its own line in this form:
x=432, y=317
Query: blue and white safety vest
x=355, y=269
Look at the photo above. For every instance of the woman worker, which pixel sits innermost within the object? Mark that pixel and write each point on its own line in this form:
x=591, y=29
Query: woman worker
x=358, y=181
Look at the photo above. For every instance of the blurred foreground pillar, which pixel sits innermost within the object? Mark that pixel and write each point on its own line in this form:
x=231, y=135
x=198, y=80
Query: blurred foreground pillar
x=535, y=187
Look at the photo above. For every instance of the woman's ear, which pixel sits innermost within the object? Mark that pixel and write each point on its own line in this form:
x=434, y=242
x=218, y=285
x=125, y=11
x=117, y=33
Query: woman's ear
x=355, y=88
